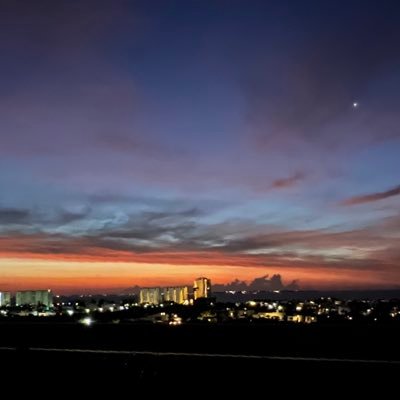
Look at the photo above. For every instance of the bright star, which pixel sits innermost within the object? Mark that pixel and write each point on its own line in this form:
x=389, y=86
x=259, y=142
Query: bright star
x=355, y=105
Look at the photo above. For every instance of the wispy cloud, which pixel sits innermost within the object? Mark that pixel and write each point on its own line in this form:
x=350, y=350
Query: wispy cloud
x=287, y=182
x=369, y=198
x=179, y=238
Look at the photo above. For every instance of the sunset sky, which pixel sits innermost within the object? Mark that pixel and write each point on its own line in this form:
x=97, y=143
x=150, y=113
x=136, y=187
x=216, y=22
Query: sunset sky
x=151, y=142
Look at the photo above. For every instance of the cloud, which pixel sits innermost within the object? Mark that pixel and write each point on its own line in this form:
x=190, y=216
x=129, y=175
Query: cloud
x=290, y=181
x=369, y=198
x=178, y=238
x=14, y=216
x=38, y=219
x=261, y=283
x=67, y=216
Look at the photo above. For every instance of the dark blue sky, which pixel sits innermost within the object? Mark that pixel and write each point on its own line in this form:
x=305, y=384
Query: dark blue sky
x=232, y=138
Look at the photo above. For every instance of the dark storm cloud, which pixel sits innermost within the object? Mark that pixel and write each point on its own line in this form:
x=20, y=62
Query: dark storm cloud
x=368, y=198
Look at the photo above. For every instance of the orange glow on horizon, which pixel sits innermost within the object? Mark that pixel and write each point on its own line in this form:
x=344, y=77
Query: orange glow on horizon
x=78, y=266
x=66, y=276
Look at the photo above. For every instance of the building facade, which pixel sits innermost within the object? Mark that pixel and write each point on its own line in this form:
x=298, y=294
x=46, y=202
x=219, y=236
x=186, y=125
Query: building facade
x=150, y=295
x=34, y=298
x=179, y=294
x=5, y=299
x=201, y=288
x=156, y=295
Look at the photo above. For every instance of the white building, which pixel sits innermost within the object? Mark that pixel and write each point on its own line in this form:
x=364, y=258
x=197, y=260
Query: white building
x=151, y=295
x=157, y=295
x=5, y=299
x=34, y=298
x=179, y=294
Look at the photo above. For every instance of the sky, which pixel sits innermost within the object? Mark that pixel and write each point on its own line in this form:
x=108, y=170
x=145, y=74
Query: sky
x=152, y=142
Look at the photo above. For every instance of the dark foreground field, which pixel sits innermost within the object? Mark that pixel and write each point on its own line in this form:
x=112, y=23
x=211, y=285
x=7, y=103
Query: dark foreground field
x=331, y=341
x=340, y=356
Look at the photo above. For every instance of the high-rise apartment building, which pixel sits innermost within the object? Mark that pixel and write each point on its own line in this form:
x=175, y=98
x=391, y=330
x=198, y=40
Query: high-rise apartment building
x=179, y=294
x=150, y=295
x=156, y=295
x=201, y=288
x=5, y=299
x=34, y=298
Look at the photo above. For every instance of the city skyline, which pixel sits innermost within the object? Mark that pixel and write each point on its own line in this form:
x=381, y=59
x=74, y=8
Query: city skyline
x=150, y=142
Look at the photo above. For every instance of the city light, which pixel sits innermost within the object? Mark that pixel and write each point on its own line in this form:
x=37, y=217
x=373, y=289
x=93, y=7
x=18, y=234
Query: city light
x=86, y=321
